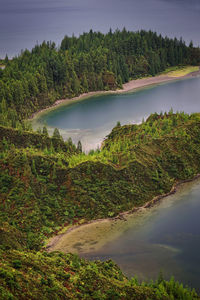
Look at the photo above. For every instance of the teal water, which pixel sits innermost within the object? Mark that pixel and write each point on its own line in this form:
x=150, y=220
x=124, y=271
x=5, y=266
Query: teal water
x=92, y=119
x=166, y=238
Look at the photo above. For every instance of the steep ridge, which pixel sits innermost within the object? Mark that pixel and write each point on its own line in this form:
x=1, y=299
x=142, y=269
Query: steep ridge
x=41, y=192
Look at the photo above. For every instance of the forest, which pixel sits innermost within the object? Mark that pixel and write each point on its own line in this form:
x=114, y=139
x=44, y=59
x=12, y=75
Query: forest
x=93, y=61
x=47, y=184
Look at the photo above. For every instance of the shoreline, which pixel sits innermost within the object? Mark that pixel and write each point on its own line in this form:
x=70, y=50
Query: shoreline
x=132, y=85
x=54, y=240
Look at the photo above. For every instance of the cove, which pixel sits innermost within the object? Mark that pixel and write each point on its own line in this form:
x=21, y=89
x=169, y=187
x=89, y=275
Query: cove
x=165, y=238
x=91, y=119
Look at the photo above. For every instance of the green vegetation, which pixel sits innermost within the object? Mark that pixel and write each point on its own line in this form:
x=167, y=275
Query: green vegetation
x=181, y=71
x=122, y=144
x=47, y=184
x=93, y=61
x=28, y=275
x=40, y=193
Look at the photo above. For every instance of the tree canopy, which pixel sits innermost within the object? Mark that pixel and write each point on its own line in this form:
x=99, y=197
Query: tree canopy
x=93, y=61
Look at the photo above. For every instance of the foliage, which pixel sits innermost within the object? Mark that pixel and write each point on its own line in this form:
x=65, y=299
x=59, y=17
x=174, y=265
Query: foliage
x=93, y=61
x=47, y=184
x=40, y=193
x=37, y=275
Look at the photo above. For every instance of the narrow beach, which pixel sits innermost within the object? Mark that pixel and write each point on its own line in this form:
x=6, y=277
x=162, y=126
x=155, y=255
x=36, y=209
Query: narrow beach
x=127, y=87
x=58, y=242
x=96, y=233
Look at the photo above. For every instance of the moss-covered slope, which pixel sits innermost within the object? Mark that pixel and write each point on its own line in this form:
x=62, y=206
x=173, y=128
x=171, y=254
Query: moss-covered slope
x=41, y=192
x=28, y=275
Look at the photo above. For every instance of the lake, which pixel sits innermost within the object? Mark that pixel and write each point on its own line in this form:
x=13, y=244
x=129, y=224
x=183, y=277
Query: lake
x=164, y=238
x=90, y=120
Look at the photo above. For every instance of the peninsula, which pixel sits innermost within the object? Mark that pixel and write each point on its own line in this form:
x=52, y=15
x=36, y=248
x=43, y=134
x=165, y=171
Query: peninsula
x=48, y=184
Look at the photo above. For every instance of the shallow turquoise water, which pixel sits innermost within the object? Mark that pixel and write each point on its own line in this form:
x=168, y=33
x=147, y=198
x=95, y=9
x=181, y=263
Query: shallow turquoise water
x=92, y=119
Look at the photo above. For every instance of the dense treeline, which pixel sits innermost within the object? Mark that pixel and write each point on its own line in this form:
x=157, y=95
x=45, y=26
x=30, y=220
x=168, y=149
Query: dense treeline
x=93, y=61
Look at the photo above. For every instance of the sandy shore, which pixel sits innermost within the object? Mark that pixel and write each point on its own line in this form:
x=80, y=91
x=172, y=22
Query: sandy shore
x=140, y=83
x=127, y=87
x=101, y=229
x=56, y=242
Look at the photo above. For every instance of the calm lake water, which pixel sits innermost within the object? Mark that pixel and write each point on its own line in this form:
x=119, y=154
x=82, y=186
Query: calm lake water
x=23, y=23
x=92, y=119
x=166, y=238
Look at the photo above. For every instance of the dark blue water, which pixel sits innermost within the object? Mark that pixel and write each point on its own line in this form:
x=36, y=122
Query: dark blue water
x=92, y=119
x=166, y=239
x=23, y=23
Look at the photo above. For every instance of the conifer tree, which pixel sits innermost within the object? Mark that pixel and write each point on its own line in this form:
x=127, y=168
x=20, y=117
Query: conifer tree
x=79, y=147
x=56, y=134
x=45, y=131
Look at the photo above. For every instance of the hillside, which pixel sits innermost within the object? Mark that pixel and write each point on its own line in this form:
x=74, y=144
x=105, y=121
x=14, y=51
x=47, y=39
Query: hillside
x=41, y=192
x=29, y=275
x=47, y=183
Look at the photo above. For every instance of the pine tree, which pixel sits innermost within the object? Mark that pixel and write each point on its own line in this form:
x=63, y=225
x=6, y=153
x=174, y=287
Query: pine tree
x=79, y=147
x=33, y=167
x=85, y=83
x=45, y=131
x=3, y=106
x=56, y=134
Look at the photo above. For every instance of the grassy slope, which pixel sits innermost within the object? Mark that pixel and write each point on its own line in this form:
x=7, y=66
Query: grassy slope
x=180, y=71
x=40, y=193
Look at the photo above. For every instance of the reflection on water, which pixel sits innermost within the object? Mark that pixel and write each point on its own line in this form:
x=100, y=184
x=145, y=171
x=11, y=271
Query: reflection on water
x=166, y=239
x=92, y=119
